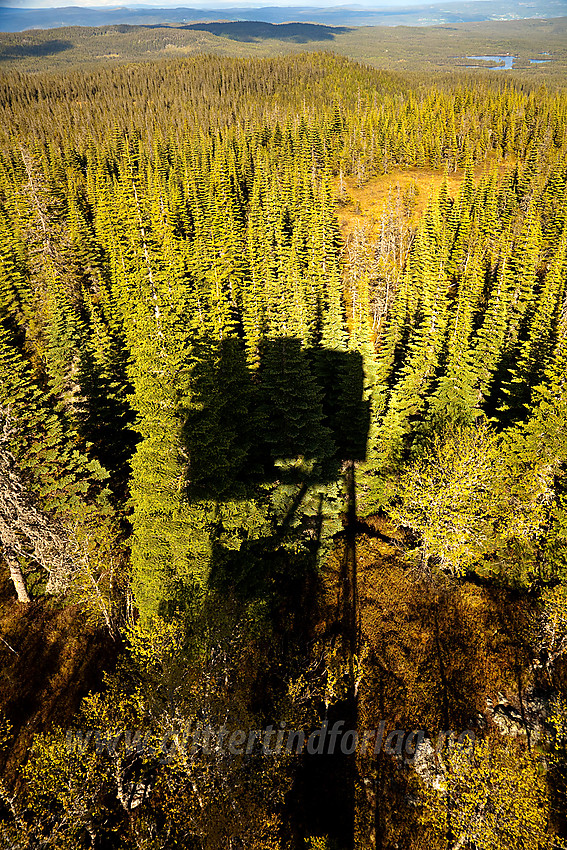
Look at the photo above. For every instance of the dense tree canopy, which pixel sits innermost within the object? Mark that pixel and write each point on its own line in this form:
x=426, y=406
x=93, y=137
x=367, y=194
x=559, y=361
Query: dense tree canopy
x=206, y=385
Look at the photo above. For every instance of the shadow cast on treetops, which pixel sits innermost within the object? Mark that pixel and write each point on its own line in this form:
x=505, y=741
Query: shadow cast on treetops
x=296, y=418
x=281, y=433
x=249, y=31
x=39, y=49
x=291, y=428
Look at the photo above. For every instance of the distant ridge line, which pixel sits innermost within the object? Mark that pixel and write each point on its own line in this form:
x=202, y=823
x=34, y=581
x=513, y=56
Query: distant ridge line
x=17, y=19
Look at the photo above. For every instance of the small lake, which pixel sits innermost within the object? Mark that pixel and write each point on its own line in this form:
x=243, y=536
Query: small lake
x=508, y=62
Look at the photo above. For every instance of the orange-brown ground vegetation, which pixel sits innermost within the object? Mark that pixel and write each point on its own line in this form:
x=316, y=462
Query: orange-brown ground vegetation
x=364, y=205
x=49, y=659
x=433, y=649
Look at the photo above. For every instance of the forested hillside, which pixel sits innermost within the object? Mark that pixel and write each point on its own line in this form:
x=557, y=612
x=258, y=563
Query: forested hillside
x=294, y=474
x=538, y=45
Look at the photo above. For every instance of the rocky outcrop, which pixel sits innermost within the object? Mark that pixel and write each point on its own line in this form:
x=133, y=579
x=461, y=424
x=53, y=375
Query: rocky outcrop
x=514, y=717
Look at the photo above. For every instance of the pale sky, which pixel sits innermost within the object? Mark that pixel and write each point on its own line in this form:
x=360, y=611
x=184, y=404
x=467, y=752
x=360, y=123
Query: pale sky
x=211, y=4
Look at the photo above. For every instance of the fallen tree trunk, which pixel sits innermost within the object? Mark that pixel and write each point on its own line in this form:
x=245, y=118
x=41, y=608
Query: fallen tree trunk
x=17, y=576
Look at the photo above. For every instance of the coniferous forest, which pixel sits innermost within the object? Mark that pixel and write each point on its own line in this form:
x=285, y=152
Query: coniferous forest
x=269, y=464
